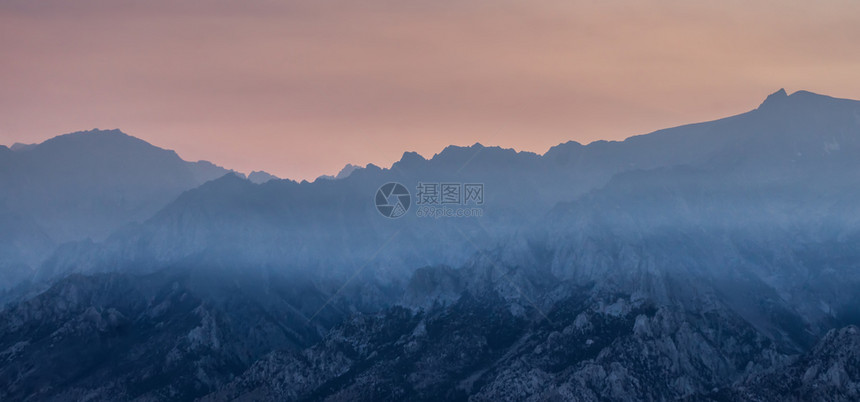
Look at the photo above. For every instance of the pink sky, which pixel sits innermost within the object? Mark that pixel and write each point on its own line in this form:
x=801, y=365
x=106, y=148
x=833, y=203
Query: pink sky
x=300, y=88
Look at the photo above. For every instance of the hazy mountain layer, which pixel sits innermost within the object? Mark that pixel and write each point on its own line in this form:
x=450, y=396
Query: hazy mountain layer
x=716, y=261
x=83, y=185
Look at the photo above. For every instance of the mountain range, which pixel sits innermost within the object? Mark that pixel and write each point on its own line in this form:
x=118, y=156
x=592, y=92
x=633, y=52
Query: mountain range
x=83, y=185
x=712, y=261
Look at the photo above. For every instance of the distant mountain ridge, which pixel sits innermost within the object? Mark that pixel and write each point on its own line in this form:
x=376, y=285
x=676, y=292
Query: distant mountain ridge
x=88, y=184
x=260, y=177
x=344, y=173
x=520, y=187
x=714, y=261
x=22, y=147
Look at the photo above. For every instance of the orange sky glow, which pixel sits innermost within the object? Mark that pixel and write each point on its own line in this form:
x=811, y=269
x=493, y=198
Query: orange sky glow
x=300, y=88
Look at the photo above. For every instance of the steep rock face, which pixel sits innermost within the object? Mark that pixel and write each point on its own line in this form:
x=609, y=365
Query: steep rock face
x=120, y=337
x=766, y=249
x=395, y=354
x=286, y=374
x=828, y=372
x=163, y=336
x=586, y=347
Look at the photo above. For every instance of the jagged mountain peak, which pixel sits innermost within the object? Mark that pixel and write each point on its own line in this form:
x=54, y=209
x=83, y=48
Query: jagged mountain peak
x=227, y=180
x=774, y=99
x=565, y=145
x=803, y=101
x=92, y=135
x=476, y=147
x=347, y=171
x=564, y=152
x=459, y=157
x=19, y=147
x=260, y=177
x=409, y=160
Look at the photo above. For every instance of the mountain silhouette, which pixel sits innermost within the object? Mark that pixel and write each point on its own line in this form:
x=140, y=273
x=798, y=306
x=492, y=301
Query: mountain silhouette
x=710, y=261
x=86, y=185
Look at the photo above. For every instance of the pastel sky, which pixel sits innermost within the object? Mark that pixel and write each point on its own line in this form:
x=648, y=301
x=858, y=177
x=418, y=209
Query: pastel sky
x=300, y=88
